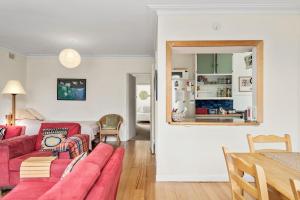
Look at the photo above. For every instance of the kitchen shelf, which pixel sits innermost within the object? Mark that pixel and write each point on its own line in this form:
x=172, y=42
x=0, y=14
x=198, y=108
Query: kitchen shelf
x=219, y=115
x=214, y=98
x=214, y=74
x=214, y=83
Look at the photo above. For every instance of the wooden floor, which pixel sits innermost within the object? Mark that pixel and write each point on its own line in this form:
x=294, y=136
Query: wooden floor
x=138, y=180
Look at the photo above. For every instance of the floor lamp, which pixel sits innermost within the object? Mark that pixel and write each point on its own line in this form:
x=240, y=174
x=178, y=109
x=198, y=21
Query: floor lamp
x=13, y=87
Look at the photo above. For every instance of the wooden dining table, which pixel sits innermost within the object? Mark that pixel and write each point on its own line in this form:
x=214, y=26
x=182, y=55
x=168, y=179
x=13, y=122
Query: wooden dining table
x=279, y=168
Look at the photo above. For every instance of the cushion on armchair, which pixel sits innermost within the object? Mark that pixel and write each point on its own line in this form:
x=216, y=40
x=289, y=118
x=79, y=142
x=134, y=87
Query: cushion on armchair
x=112, y=122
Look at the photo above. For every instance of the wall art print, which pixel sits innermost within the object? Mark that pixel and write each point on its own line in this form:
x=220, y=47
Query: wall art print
x=71, y=89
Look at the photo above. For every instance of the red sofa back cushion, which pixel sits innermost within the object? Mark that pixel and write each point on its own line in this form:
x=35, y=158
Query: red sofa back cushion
x=75, y=185
x=13, y=131
x=107, y=185
x=100, y=155
x=74, y=128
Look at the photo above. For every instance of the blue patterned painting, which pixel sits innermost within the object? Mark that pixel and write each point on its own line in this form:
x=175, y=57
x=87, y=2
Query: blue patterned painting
x=71, y=89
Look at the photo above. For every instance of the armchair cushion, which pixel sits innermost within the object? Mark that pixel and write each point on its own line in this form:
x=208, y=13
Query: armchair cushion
x=73, y=128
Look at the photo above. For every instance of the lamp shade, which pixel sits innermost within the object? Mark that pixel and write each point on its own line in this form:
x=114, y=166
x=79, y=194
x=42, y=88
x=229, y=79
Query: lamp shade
x=69, y=58
x=13, y=87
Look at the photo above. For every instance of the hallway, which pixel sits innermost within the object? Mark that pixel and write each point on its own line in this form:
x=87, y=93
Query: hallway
x=142, y=131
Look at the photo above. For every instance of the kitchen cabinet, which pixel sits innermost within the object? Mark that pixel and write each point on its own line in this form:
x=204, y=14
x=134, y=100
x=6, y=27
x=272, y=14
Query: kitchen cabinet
x=224, y=63
x=205, y=63
x=214, y=63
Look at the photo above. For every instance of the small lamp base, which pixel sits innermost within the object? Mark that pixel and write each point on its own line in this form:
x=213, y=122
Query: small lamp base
x=9, y=119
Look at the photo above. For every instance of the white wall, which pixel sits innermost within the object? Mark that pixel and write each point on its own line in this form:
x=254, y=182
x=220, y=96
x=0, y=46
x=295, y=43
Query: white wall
x=11, y=69
x=241, y=100
x=185, y=61
x=143, y=79
x=106, y=86
x=193, y=153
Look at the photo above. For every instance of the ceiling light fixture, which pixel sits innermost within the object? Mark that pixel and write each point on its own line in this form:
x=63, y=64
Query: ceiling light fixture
x=69, y=58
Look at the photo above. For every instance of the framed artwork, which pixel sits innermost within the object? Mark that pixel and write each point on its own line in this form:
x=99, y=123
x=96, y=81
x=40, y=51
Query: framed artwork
x=71, y=89
x=245, y=84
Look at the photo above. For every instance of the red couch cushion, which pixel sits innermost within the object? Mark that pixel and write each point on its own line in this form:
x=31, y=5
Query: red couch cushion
x=15, y=163
x=13, y=131
x=100, y=155
x=75, y=185
x=74, y=128
x=107, y=185
x=29, y=190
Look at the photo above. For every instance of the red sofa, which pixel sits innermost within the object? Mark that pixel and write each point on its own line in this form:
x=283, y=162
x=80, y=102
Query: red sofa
x=13, y=131
x=15, y=150
x=94, y=178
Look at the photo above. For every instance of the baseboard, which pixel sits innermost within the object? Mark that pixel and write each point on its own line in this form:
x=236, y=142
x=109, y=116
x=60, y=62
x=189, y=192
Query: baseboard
x=190, y=178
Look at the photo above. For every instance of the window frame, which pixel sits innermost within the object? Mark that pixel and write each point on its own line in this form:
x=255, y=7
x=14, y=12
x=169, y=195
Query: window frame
x=258, y=44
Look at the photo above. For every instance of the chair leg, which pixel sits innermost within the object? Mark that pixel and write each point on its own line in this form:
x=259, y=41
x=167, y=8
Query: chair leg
x=100, y=137
x=119, y=140
x=105, y=138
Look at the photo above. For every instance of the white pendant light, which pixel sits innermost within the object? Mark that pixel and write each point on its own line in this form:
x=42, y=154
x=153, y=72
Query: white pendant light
x=69, y=58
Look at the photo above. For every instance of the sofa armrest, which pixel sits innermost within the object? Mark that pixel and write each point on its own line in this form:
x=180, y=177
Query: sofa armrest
x=12, y=148
x=18, y=146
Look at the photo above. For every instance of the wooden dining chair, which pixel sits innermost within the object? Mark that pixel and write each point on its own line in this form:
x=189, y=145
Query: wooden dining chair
x=240, y=186
x=286, y=139
x=110, y=125
x=229, y=165
x=295, y=184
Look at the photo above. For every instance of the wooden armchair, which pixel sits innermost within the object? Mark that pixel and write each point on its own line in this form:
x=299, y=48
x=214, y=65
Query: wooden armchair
x=110, y=126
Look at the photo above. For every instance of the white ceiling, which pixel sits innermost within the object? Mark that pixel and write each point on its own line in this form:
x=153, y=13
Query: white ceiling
x=96, y=27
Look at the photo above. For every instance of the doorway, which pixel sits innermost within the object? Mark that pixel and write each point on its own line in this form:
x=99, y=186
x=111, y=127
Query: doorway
x=139, y=106
x=143, y=108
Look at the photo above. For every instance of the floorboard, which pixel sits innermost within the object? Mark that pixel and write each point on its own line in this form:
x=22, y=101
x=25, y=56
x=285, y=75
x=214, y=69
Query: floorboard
x=138, y=180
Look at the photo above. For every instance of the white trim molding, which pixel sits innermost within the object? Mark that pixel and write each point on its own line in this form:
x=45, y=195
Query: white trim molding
x=282, y=7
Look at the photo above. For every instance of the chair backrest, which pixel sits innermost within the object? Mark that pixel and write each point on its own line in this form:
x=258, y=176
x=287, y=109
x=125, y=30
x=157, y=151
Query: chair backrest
x=229, y=165
x=269, y=139
x=240, y=186
x=111, y=120
x=295, y=184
